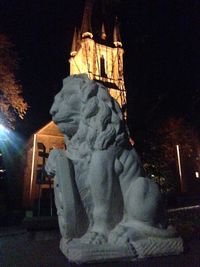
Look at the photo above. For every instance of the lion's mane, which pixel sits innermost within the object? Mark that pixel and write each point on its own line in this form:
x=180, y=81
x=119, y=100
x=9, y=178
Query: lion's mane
x=101, y=120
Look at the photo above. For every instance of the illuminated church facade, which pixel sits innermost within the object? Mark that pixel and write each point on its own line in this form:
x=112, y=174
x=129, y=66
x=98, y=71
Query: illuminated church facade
x=101, y=59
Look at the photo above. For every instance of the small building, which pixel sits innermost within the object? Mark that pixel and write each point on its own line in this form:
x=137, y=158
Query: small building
x=38, y=148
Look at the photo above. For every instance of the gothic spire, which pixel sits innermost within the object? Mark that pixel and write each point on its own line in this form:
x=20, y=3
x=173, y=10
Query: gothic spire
x=103, y=32
x=74, y=44
x=116, y=34
x=86, y=29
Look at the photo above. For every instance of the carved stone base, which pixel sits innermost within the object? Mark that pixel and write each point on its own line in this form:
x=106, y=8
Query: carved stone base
x=149, y=247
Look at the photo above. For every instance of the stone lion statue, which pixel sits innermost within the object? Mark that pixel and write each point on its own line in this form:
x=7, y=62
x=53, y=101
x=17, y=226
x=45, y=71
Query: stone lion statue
x=101, y=192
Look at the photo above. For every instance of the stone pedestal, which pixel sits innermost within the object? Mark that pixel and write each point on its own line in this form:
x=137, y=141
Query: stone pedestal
x=149, y=247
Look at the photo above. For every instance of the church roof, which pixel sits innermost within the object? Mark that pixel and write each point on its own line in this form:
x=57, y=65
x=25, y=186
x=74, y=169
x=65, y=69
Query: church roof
x=50, y=129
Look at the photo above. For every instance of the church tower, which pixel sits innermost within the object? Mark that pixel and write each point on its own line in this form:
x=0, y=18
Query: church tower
x=101, y=57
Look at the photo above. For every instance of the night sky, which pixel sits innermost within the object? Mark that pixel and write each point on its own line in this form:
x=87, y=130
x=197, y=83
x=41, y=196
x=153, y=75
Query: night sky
x=161, y=61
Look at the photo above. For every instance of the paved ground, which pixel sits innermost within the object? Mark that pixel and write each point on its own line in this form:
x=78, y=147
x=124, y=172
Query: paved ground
x=20, y=248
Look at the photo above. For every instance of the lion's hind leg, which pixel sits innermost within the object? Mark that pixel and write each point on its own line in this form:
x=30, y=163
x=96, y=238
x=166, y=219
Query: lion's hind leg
x=143, y=212
x=143, y=202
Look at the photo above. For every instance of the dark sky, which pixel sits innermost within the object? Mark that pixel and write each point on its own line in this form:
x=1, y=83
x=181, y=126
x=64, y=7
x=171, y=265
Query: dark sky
x=161, y=62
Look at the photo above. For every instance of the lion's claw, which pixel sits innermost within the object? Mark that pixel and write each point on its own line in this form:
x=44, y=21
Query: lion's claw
x=93, y=238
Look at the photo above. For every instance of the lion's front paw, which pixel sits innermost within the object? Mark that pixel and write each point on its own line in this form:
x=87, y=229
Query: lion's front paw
x=123, y=234
x=118, y=235
x=93, y=238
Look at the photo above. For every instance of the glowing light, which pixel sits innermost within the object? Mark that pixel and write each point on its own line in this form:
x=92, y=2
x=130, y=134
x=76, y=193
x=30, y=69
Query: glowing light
x=3, y=128
x=33, y=165
x=132, y=141
x=184, y=208
x=87, y=34
x=4, y=132
x=11, y=145
x=179, y=167
x=197, y=174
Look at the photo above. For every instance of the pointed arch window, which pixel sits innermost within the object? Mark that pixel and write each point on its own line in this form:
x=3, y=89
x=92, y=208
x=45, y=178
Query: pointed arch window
x=102, y=67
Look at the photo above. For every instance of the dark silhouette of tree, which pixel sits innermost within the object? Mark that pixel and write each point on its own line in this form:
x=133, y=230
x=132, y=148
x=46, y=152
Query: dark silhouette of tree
x=177, y=132
x=160, y=152
x=12, y=104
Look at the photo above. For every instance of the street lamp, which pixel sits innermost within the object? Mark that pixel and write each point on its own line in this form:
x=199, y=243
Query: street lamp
x=179, y=167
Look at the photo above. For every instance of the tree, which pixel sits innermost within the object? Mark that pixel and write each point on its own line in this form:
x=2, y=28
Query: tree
x=160, y=154
x=177, y=132
x=12, y=104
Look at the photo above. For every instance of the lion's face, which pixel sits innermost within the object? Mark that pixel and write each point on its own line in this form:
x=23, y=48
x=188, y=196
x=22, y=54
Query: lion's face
x=84, y=110
x=66, y=107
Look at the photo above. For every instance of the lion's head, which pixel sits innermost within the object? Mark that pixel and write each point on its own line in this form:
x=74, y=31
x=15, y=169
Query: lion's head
x=86, y=113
